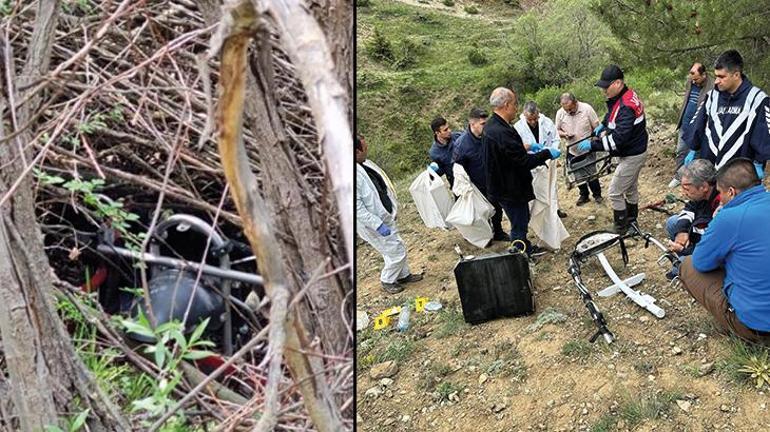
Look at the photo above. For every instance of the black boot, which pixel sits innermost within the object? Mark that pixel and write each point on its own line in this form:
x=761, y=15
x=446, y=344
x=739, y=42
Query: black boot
x=632, y=212
x=620, y=222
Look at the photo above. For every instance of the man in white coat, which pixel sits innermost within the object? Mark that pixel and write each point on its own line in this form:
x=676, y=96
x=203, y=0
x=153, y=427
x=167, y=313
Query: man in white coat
x=538, y=132
x=376, y=209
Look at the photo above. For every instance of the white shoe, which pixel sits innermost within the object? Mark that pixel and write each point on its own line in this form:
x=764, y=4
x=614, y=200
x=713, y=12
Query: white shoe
x=673, y=183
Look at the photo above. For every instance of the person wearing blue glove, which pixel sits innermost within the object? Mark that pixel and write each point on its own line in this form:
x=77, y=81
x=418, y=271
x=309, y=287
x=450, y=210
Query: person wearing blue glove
x=383, y=229
x=376, y=209
x=555, y=153
x=690, y=157
x=433, y=166
x=536, y=147
x=625, y=138
x=599, y=129
x=760, y=168
x=545, y=215
x=734, y=119
x=584, y=146
x=509, y=165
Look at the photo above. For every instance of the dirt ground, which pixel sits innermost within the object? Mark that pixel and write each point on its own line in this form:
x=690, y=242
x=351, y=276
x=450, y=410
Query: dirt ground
x=660, y=374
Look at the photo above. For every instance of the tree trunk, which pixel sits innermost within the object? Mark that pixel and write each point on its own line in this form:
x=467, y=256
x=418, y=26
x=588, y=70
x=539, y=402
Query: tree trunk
x=46, y=377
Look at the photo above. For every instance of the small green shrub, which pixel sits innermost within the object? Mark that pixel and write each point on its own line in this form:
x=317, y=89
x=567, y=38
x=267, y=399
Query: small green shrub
x=452, y=323
x=363, y=3
x=747, y=364
x=477, y=58
x=379, y=48
x=650, y=406
x=577, y=348
x=448, y=3
x=406, y=54
x=446, y=388
x=398, y=351
x=471, y=9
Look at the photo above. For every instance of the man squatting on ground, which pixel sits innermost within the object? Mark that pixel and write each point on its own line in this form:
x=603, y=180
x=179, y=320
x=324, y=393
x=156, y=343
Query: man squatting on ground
x=467, y=152
x=697, y=87
x=686, y=228
x=442, y=148
x=575, y=121
x=625, y=137
x=376, y=209
x=509, y=179
x=727, y=273
x=733, y=121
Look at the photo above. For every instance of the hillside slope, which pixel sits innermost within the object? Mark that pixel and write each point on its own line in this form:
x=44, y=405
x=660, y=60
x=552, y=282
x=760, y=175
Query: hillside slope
x=670, y=374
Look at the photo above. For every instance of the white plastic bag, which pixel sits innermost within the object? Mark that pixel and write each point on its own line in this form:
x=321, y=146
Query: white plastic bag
x=432, y=198
x=545, y=221
x=471, y=213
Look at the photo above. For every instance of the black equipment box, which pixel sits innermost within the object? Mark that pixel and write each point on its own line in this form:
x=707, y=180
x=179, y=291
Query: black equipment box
x=494, y=286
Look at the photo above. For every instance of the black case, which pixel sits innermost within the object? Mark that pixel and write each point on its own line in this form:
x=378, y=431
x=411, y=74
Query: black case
x=494, y=286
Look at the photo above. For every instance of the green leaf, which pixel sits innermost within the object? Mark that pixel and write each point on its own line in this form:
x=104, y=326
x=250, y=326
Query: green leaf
x=79, y=421
x=180, y=340
x=198, y=331
x=134, y=327
x=160, y=355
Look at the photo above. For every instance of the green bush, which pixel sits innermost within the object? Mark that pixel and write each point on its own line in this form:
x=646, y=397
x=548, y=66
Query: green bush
x=379, y=48
x=448, y=3
x=471, y=9
x=405, y=55
x=363, y=3
x=477, y=58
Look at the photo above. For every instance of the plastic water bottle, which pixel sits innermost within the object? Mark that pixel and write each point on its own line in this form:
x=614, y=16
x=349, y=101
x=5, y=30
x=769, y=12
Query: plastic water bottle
x=403, y=319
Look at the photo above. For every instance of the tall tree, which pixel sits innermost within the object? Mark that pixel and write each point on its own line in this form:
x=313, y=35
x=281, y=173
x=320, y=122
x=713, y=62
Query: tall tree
x=672, y=33
x=48, y=381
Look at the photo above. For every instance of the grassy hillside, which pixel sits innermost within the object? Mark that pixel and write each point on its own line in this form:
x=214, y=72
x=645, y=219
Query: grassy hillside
x=417, y=61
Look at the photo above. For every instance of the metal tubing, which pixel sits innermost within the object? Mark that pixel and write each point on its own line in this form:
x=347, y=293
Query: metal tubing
x=183, y=265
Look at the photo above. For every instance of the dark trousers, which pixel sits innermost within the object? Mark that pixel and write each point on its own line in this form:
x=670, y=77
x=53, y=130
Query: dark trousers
x=596, y=188
x=497, y=218
x=518, y=214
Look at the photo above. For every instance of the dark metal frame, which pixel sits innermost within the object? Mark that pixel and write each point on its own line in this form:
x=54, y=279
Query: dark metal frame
x=579, y=257
x=569, y=171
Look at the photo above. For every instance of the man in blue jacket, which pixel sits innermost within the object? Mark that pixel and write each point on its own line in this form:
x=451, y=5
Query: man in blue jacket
x=728, y=271
x=443, y=147
x=733, y=121
x=467, y=153
x=625, y=137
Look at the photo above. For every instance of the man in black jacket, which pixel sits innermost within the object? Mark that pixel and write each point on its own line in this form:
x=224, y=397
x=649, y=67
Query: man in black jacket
x=508, y=164
x=686, y=228
x=625, y=137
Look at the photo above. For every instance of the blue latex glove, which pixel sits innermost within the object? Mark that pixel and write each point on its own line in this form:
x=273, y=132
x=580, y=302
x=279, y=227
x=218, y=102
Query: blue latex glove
x=384, y=230
x=433, y=166
x=536, y=147
x=599, y=129
x=760, y=170
x=690, y=157
x=584, y=145
x=555, y=153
